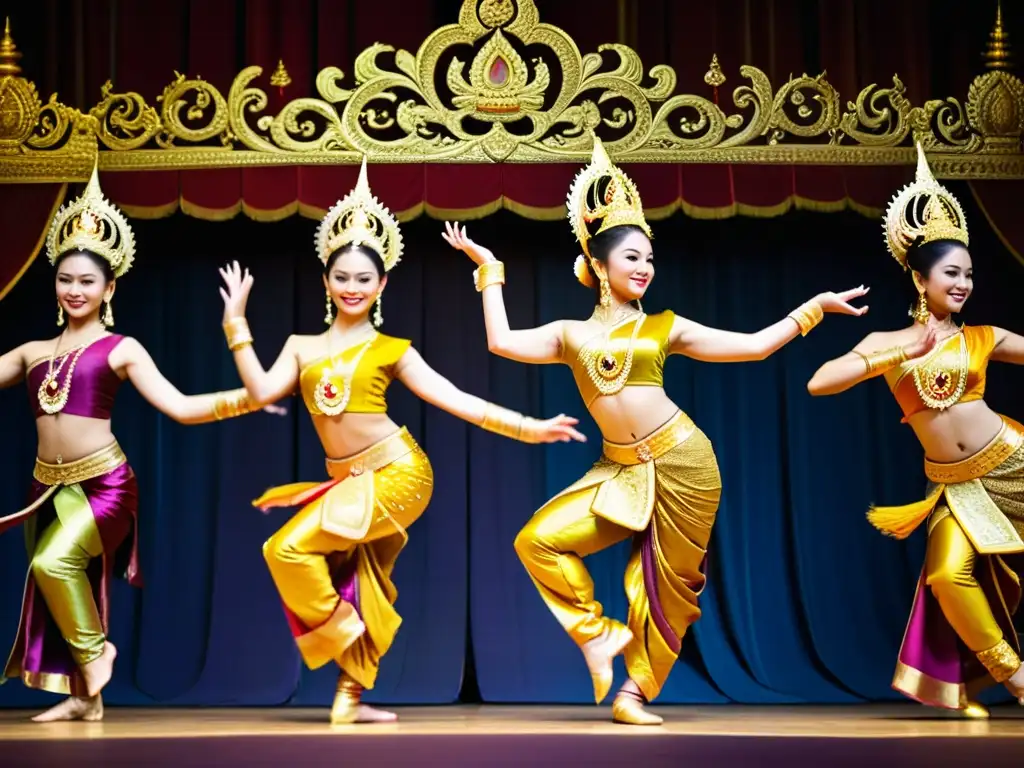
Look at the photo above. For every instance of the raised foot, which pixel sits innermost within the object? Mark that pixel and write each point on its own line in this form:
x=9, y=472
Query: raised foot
x=97, y=673
x=73, y=708
x=628, y=709
x=1015, y=685
x=599, y=654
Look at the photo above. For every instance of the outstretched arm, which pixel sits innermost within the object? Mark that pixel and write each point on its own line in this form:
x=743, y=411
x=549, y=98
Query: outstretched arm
x=132, y=360
x=263, y=386
x=871, y=358
x=718, y=346
x=427, y=384
x=532, y=345
x=12, y=367
x=1009, y=347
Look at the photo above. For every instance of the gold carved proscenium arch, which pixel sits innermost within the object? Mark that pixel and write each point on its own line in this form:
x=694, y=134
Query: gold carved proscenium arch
x=501, y=86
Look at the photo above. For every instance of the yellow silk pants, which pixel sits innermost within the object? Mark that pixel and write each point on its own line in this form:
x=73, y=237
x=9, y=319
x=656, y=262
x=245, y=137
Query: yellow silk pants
x=949, y=571
x=58, y=567
x=305, y=560
x=554, y=542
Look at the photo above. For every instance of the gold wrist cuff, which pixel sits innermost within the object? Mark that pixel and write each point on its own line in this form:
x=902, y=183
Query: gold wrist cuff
x=228, y=405
x=237, y=332
x=491, y=273
x=508, y=423
x=807, y=316
x=1001, y=661
x=880, y=362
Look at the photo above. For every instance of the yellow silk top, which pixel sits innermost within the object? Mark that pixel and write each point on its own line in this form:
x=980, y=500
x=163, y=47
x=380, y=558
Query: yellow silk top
x=939, y=372
x=650, y=349
x=369, y=382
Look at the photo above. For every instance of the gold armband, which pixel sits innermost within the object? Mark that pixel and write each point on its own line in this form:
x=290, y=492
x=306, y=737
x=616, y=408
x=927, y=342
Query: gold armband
x=807, y=315
x=880, y=362
x=491, y=273
x=1001, y=661
x=237, y=332
x=508, y=423
x=228, y=405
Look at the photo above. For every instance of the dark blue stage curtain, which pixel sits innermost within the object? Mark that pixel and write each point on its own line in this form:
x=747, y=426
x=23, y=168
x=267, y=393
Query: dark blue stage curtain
x=806, y=602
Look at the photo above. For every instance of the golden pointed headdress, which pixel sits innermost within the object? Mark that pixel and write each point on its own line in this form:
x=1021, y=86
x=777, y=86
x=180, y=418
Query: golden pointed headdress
x=360, y=219
x=602, y=192
x=923, y=209
x=92, y=223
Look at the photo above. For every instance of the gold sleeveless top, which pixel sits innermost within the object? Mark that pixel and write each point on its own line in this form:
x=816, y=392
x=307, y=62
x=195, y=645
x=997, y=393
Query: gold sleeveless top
x=356, y=378
x=954, y=372
x=649, y=335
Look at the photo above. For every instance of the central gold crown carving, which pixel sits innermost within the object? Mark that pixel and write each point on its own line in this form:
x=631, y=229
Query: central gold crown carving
x=501, y=86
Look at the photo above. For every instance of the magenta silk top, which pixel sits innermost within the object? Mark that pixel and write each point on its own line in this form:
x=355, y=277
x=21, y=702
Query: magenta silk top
x=93, y=382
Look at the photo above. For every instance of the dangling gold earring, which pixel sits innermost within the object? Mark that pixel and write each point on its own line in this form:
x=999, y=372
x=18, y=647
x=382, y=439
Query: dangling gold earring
x=606, y=293
x=60, y=314
x=329, y=317
x=920, y=312
x=378, y=316
x=108, y=314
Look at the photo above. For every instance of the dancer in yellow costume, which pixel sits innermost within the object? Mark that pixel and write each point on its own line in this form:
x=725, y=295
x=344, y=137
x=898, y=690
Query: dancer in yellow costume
x=332, y=561
x=657, y=480
x=960, y=636
x=81, y=524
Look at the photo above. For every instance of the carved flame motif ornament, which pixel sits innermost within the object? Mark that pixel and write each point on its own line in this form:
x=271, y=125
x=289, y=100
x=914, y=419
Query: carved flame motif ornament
x=501, y=86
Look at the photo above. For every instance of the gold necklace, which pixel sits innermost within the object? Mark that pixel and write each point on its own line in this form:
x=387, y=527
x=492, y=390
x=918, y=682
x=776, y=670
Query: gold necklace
x=941, y=377
x=606, y=371
x=334, y=389
x=53, y=395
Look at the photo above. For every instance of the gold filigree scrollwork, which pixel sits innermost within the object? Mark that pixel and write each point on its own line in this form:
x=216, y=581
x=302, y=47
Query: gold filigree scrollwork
x=501, y=86
x=125, y=120
x=192, y=111
x=995, y=110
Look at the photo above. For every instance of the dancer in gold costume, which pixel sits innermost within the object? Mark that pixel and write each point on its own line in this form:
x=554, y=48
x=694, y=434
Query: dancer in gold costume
x=960, y=636
x=657, y=480
x=332, y=561
x=81, y=520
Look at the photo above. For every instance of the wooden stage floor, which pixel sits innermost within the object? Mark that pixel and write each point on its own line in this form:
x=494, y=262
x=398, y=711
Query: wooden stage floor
x=520, y=735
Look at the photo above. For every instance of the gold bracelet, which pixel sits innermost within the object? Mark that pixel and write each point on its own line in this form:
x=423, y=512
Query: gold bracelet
x=491, y=273
x=807, y=316
x=237, y=332
x=880, y=362
x=1001, y=661
x=508, y=423
x=228, y=405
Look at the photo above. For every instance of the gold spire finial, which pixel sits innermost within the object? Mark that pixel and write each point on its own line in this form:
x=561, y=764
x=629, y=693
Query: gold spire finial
x=9, y=53
x=998, y=54
x=714, y=77
x=280, y=78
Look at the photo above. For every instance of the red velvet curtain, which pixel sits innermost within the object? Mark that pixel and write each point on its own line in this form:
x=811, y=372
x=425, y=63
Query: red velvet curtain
x=72, y=47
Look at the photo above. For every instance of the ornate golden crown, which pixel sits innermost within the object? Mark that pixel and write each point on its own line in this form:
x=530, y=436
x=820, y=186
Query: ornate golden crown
x=360, y=219
x=926, y=209
x=92, y=223
x=602, y=192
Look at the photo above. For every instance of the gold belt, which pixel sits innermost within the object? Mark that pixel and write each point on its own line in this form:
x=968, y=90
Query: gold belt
x=94, y=465
x=391, y=448
x=666, y=437
x=1003, y=446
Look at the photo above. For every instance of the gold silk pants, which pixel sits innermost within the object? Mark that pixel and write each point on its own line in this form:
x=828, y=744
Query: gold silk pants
x=337, y=590
x=664, y=576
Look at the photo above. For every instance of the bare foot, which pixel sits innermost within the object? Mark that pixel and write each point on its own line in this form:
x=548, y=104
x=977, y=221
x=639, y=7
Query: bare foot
x=599, y=653
x=73, y=708
x=628, y=707
x=367, y=714
x=97, y=672
x=1015, y=685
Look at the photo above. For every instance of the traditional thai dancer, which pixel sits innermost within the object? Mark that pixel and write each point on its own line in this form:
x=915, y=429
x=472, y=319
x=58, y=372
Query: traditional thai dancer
x=332, y=561
x=81, y=523
x=657, y=480
x=960, y=637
